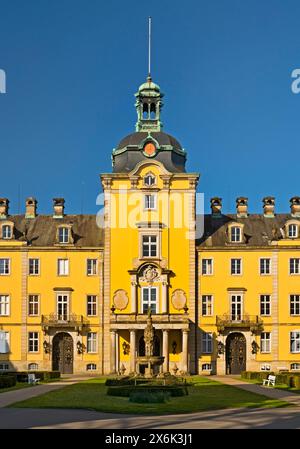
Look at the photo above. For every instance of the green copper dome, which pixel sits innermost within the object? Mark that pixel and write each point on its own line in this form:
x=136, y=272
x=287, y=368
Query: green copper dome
x=149, y=85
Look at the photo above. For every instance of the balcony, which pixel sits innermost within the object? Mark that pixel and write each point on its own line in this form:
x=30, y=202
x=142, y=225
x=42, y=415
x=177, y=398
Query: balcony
x=160, y=320
x=227, y=321
x=65, y=321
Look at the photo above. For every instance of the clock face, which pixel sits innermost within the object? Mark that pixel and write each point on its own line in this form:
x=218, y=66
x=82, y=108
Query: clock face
x=149, y=149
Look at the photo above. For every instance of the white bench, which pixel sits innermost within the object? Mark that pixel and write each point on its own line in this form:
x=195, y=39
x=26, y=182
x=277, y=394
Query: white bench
x=32, y=379
x=269, y=381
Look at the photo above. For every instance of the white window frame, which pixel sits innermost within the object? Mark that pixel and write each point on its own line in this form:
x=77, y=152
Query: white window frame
x=91, y=267
x=91, y=369
x=7, y=342
x=92, y=343
x=206, y=369
x=7, y=265
x=35, y=266
x=63, y=234
x=4, y=366
x=235, y=237
x=295, y=227
x=94, y=303
x=4, y=234
x=296, y=340
x=295, y=304
x=295, y=369
x=294, y=266
x=207, y=344
x=265, y=367
x=241, y=266
x=150, y=175
x=263, y=265
x=264, y=303
x=34, y=339
x=4, y=305
x=204, y=299
x=236, y=316
x=207, y=263
x=34, y=303
x=266, y=343
x=150, y=302
x=150, y=200
x=66, y=264
x=63, y=302
x=149, y=244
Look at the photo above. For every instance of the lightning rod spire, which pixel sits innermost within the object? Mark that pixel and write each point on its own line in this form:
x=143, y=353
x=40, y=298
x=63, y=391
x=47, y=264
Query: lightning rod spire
x=149, y=47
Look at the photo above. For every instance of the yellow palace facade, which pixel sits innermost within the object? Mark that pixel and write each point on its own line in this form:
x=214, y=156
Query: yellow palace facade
x=223, y=290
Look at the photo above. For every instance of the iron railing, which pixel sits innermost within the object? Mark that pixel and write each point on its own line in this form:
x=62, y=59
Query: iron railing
x=70, y=320
x=253, y=322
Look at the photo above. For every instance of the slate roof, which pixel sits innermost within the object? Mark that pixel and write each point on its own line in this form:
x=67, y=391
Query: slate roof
x=258, y=230
x=136, y=138
x=41, y=231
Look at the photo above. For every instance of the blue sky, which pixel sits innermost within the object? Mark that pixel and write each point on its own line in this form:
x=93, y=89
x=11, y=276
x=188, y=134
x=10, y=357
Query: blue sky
x=72, y=69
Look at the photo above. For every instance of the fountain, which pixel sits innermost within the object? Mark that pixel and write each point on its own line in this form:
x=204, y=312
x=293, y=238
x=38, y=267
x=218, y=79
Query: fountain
x=149, y=359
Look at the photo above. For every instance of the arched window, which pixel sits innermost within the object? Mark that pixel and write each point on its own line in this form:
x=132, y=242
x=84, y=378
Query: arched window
x=152, y=111
x=292, y=231
x=6, y=232
x=235, y=234
x=145, y=111
x=33, y=366
x=91, y=367
x=149, y=180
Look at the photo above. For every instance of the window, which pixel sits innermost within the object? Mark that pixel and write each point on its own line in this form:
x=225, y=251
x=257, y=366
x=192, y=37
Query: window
x=236, y=307
x=149, y=180
x=92, y=342
x=34, y=266
x=4, y=305
x=236, y=266
x=295, y=341
x=294, y=304
x=150, y=202
x=4, y=267
x=265, y=266
x=295, y=366
x=294, y=266
x=150, y=246
x=292, y=231
x=33, y=367
x=91, y=267
x=265, y=342
x=265, y=367
x=4, y=366
x=63, y=267
x=4, y=342
x=91, y=367
x=207, y=266
x=149, y=299
x=92, y=305
x=207, y=305
x=207, y=342
x=63, y=235
x=62, y=307
x=265, y=305
x=33, y=342
x=33, y=305
x=235, y=234
x=206, y=366
x=6, y=232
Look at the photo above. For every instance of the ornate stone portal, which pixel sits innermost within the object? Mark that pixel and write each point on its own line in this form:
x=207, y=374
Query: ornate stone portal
x=149, y=359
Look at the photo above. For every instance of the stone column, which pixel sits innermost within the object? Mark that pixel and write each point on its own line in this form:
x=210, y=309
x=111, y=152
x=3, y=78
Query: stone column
x=164, y=302
x=132, y=350
x=133, y=295
x=113, y=337
x=166, y=350
x=185, y=337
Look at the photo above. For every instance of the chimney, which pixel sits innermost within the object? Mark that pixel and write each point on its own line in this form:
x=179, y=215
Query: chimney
x=269, y=206
x=295, y=206
x=4, y=202
x=242, y=207
x=31, y=204
x=216, y=206
x=59, y=207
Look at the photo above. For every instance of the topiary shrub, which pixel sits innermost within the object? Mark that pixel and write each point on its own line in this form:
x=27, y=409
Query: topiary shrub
x=125, y=391
x=7, y=381
x=143, y=397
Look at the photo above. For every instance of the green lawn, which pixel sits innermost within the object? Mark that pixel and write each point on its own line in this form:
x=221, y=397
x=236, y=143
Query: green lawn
x=205, y=394
x=18, y=386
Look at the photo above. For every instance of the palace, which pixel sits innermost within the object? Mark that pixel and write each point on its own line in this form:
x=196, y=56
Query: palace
x=223, y=290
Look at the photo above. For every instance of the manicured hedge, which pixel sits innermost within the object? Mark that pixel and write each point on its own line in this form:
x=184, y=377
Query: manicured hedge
x=287, y=378
x=7, y=381
x=140, y=397
x=125, y=391
x=22, y=376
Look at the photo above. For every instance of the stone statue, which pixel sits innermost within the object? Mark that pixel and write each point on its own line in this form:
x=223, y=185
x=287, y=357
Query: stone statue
x=149, y=336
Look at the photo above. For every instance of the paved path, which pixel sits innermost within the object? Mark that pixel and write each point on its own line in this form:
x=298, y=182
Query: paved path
x=10, y=397
x=275, y=418
x=270, y=392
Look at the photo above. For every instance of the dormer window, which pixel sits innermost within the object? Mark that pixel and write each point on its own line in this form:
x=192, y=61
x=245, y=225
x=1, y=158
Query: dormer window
x=292, y=231
x=63, y=235
x=235, y=234
x=149, y=180
x=7, y=232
